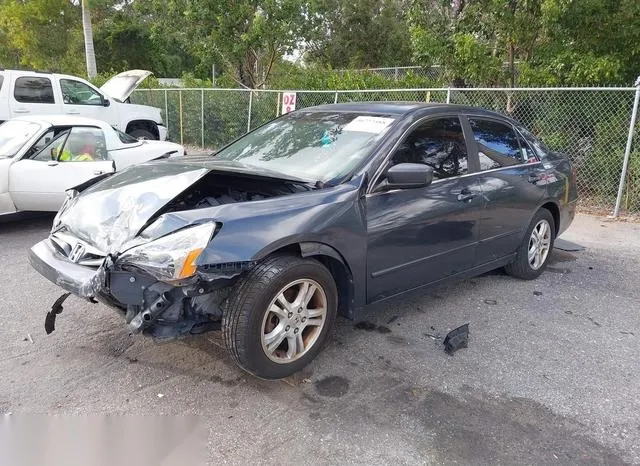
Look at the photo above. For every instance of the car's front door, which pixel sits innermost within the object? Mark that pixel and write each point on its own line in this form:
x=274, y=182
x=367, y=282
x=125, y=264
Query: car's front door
x=79, y=98
x=422, y=235
x=74, y=155
x=512, y=182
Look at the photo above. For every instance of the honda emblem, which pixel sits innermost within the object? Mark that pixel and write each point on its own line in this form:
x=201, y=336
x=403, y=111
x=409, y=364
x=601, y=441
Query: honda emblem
x=76, y=253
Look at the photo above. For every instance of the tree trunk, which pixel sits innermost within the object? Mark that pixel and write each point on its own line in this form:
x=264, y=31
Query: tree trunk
x=89, y=53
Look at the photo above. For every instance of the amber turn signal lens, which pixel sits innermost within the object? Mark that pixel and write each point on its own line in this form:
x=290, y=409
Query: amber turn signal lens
x=189, y=266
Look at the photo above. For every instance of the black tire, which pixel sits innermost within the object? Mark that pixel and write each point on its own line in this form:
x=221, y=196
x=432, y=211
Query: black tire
x=142, y=134
x=522, y=267
x=246, y=314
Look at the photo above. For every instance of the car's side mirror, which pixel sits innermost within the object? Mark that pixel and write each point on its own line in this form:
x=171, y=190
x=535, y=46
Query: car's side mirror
x=409, y=175
x=105, y=102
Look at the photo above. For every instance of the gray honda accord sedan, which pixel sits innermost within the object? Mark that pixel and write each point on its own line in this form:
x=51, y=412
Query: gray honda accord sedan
x=319, y=212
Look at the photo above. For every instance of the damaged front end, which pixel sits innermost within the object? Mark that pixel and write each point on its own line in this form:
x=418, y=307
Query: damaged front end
x=165, y=297
x=143, y=241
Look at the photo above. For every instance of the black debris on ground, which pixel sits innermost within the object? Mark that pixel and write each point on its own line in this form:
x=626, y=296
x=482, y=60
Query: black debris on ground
x=491, y=302
x=456, y=339
x=537, y=293
x=50, y=319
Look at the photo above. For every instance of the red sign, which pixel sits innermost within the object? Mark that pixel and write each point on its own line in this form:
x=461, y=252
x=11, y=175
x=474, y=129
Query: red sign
x=288, y=102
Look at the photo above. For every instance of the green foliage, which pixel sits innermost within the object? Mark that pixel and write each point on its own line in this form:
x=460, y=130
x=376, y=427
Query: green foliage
x=290, y=76
x=358, y=34
x=41, y=35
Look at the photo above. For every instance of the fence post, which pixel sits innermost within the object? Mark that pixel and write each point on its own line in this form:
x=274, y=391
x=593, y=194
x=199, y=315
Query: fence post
x=166, y=110
x=627, y=151
x=202, y=116
x=448, y=95
x=249, y=117
x=181, y=132
x=335, y=100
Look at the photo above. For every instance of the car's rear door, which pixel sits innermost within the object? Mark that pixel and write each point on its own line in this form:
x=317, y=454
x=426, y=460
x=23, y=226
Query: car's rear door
x=423, y=235
x=39, y=182
x=510, y=178
x=34, y=95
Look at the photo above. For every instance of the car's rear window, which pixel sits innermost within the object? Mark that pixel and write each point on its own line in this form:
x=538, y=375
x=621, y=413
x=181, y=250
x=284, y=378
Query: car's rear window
x=1, y=80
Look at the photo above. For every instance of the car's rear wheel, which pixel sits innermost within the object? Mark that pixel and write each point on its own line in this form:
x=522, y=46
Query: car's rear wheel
x=279, y=316
x=535, y=249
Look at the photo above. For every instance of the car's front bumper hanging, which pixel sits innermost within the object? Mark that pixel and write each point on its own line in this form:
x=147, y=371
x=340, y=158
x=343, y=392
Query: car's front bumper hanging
x=79, y=280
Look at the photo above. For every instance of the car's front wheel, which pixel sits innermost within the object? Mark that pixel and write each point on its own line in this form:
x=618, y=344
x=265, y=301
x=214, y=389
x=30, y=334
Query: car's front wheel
x=279, y=316
x=534, y=251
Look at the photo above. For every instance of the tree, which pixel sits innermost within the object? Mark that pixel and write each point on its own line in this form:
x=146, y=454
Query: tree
x=246, y=37
x=87, y=30
x=359, y=34
x=42, y=35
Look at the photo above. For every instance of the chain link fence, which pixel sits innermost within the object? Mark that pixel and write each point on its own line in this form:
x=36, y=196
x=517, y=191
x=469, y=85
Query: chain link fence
x=591, y=125
x=434, y=72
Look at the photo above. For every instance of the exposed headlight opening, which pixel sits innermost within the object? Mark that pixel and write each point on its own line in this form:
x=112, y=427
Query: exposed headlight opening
x=172, y=257
x=70, y=194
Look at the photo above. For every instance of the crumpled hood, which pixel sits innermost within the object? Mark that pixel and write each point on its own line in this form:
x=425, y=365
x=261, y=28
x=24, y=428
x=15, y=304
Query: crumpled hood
x=111, y=212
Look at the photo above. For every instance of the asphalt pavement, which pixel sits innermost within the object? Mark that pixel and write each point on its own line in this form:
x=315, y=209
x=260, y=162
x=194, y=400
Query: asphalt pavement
x=550, y=376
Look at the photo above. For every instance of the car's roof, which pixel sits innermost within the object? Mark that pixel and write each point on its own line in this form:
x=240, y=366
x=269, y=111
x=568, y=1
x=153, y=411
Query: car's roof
x=402, y=108
x=63, y=120
x=38, y=73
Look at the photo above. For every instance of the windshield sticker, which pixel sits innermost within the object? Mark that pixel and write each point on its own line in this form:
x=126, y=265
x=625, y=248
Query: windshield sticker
x=368, y=124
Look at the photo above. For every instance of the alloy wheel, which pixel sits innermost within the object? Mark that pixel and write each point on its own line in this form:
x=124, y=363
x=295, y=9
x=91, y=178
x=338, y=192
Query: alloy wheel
x=293, y=321
x=539, y=244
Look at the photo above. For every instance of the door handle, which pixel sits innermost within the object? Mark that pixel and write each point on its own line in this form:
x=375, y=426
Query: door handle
x=21, y=110
x=52, y=163
x=465, y=195
x=72, y=112
x=98, y=172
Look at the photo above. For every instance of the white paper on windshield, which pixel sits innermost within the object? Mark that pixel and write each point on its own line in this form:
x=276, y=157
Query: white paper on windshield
x=368, y=124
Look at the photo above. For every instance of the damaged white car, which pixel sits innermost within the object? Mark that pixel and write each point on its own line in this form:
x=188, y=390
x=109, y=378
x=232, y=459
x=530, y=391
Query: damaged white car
x=43, y=156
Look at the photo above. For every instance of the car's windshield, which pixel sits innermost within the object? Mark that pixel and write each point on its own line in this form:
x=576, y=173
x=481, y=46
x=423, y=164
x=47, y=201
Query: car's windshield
x=14, y=134
x=317, y=146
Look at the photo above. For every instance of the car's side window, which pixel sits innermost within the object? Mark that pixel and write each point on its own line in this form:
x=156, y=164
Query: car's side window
x=40, y=144
x=77, y=93
x=51, y=146
x=125, y=138
x=85, y=144
x=34, y=90
x=527, y=152
x=497, y=144
x=540, y=148
x=438, y=143
x=1, y=81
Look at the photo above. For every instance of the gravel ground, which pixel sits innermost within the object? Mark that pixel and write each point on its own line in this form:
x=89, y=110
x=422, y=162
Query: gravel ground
x=550, y=375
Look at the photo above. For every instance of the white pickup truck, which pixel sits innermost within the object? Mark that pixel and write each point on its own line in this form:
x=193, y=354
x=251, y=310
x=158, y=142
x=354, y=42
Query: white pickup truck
x=37, y=93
